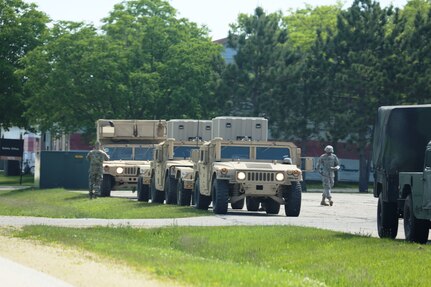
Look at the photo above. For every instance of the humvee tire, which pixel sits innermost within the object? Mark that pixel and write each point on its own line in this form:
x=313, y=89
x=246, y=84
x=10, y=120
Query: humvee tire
x=272, y=206
x=292, y=198
x=387, y=218
x=106, y=186
x=252, y=203
x=143, y=191
x=201, y=201
x=184, y=196
x=238, y=205
x=416, y=230
x=220, y=196
x=170, y=190
x=156, y=196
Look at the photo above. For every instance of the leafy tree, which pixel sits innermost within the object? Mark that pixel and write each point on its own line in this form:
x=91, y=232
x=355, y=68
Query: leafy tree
x=146, y=63
x=260, y=41
x=22, y=28
x=355, y=54
x=303, y=24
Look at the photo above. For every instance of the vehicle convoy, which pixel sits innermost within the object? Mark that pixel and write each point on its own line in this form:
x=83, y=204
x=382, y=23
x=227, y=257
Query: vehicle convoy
x=168, y=177
x=402, y=170
x=129, y=143
x=254, y=171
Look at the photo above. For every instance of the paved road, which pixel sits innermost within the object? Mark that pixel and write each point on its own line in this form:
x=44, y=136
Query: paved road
x=352, y=212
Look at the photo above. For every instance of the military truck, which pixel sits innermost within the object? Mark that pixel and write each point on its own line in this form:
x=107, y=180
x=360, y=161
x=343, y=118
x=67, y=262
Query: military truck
x=169, y=177
x=172, y=161
x=257, y=171
x=402, y=165
x=129, y=144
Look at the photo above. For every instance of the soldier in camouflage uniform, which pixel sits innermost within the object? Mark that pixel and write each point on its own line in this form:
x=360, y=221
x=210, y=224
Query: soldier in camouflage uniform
x=95, y=173
x=326, y=166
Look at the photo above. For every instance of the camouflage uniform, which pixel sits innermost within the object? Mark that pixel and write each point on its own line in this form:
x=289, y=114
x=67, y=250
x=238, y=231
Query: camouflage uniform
x=95, y=173
x=327, y=165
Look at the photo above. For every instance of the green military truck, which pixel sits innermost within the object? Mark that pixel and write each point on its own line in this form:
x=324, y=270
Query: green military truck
x=258, y=172
x=129, y=144
x=402, y=170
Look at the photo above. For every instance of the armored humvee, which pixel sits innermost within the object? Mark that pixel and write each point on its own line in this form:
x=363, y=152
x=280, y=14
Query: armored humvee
x=402, y=167
x=129, y=144
x=257, y=171
x=169, y=175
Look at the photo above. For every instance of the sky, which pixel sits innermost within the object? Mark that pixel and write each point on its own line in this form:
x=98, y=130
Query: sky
x=215, y=14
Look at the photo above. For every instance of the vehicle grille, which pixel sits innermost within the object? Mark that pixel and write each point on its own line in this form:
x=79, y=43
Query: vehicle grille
x=131, y=170
x=260, y=176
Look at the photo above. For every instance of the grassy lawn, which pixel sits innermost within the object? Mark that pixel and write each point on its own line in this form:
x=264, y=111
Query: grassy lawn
x=14, y=180
x=67, y=204
x=252, y=256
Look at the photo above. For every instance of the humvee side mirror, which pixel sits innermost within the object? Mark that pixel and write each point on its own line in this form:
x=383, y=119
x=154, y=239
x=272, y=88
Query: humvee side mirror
x=307, y=163
x=195, y=155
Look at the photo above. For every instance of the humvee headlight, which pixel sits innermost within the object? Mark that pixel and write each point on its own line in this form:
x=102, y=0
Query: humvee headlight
x=240, y=175
x=120, y=170
x=279, y=176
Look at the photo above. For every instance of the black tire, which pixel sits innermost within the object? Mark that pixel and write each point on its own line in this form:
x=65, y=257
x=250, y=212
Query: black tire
x=202, y=202
x=220, y=196
x=184, y=196
x=272, y=206
x=156, y=196
x=416, y=230
x=106, y=186
x=143, y=191
x=387, y=218
x=292, y=199
x=238, y=205
x=170, y=190
x=252, y=203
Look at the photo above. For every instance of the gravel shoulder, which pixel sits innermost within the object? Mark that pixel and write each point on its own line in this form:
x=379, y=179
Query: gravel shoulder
x=78, y=268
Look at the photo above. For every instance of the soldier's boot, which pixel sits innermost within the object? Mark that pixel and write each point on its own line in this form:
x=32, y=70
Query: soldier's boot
x=323, y=202
x=331, y=203
x=90, y=194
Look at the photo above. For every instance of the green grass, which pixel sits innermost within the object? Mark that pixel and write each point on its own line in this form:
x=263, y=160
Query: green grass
x=15, y=180
x=252, y=256
x=67, y=204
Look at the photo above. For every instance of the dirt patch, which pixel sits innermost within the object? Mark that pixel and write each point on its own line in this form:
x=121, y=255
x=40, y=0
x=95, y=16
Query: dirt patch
x=78, y=268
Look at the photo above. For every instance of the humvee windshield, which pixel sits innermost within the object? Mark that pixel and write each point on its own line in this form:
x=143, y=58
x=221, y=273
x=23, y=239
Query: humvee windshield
x=272, y=153
x=184, y=151
x=235, y=152
x=144, y=153
x=126, y=153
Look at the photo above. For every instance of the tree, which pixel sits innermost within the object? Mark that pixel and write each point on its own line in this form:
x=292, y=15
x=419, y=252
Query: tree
x=259, y=40
x=355, y=54
x=22, y=28
x=145, y=64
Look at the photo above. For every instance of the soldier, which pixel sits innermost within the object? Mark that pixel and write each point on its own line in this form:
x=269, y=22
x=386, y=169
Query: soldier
x=326, y=166
x=95, y=173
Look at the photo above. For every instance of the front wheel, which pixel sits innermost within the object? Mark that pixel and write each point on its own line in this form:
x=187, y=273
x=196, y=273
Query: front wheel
x=184, y=196
x=387, y=218
x=292, y=198
x=170, y=190
x=220, y=196
x=201, y=201
x=416, y=230
x=143, y=191
x=156, y=196
x=252, y=203
x=272, y=206
x=106, y=186
x=238, y=205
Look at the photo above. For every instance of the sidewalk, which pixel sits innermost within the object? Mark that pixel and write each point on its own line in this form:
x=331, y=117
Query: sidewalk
x=13, y=187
